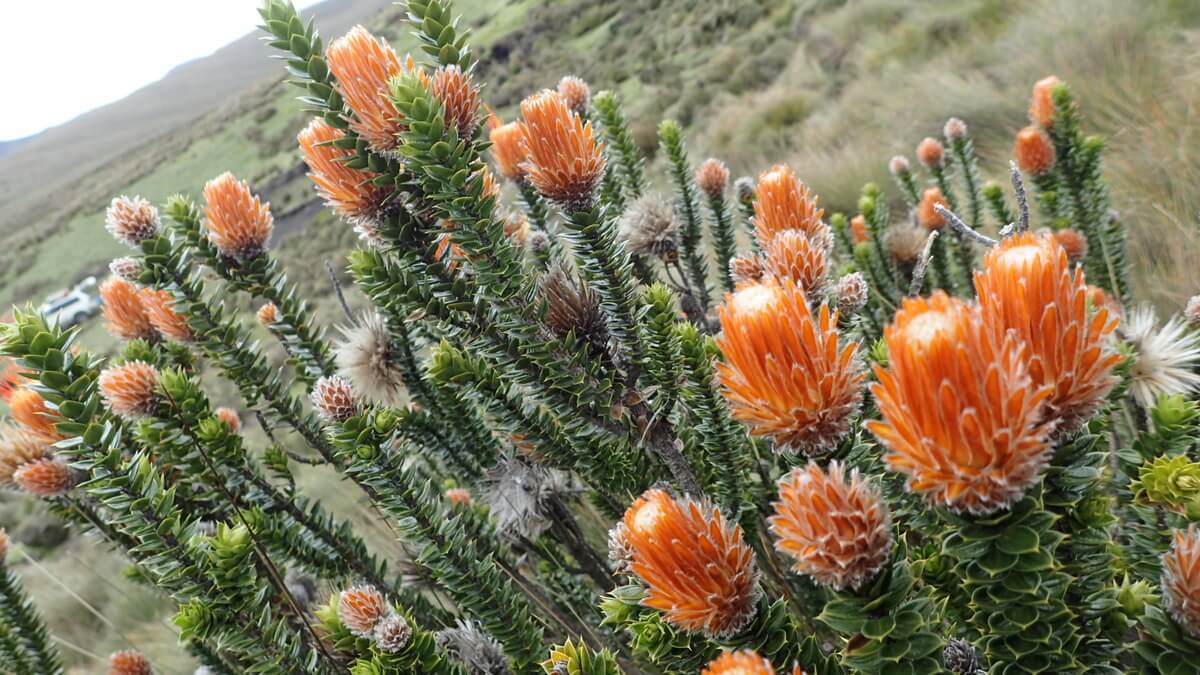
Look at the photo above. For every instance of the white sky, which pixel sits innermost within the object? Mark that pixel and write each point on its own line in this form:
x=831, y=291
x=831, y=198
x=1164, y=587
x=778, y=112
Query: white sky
x=65, y=57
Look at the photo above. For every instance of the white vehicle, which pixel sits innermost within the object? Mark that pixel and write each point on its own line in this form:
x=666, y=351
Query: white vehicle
x=72, y=307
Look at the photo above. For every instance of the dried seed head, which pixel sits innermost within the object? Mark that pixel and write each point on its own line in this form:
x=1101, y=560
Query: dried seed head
x=931, y=152
x=126, y=268
x=782, y=202
x=1074, y=242
x=927, y=216
x=838, y=531
x=955, y=129
x=539, y=242
x=905, y=243
x=392, y=634
x=132, y=220
x=302, y=586
x=121, y=305
x=620, y=551
x=852, y=291
x=508, y=150
x=1028, y=286
x=130, y=390
x=576, y=93
x=44, y=478
x=959, y=657
x=128, y=662
x=160, y=308
x=238, y=223
x=367, y=358
x=268, y=314
x=1041, y=106
x=230, y=417
x=361, y=608
x=564, y=162
x=1033, y=151
x=1165, y=357
x=792, y=256
x=941, y=356
x=744, y=662
x=858, y=229
x=649, y=227
x=712, y=178
x=518, y=494
x=473, y=648
x=334, y=399
x=1181, y=580
x=744, y=187
x=788, y=373
x=719, y=595
x=573, y=308
x=351, y=193
x=19, y=446
x=29, y=409
x=898, y=165
x=363, y=65
x=459, y=98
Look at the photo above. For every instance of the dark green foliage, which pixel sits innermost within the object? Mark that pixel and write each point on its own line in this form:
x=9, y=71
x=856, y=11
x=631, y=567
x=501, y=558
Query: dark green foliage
x=687, y=201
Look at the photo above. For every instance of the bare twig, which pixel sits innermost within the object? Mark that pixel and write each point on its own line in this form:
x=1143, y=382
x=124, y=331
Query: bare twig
x=337, y=289
x=918, y=275
x=962, y=228
x=1022, y=199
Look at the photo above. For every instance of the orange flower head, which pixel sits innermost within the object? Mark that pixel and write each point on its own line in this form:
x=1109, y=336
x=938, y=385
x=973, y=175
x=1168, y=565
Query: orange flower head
x=792, y=256
x=268, y=314
x=931, y=152
x=238, y=223
x=746, y=269
x=926, y=214
x=363, y=64
x=858, y=229
x=122, y=307
x=744, y=662
x=565, y=161
x=784, y=203
x=460, y=496
x=132, y=220
x=697, y=569
x=1033, y=151
x=838, y=531
x=1041, y=106
x=712, y=178
x=508, y=149
x=1181, y=580
x=459, y=97
x=1027, y=285
x=334, y=398
x=128, y=662
x=160, y=308
x=1074, y=242
x=29, y=410
x=19, y=446
x=576, y=92
x=360, y=608
x=230, y=417
x=349, y=192
x=961, y=416
x=786, y=372
x=130, y=390
x=44, y=478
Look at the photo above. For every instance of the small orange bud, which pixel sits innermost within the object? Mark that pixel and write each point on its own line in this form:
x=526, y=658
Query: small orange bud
x=458, y=496
x=508, y=149
x=19, y=446
x=349, y=192
x=459, y=98
x=926, y=214
x=268, y=314
x=565, y=162
x=745, y=662
x=1181, y=580
x=29, y=410
x=712, y=178
x=122, y=307
x=230, y=417
x=128, y=662
x=132, y=220
x=898, y=165
x=44, y=478
x=360, y=608
x=334, y=398
x=954, y=129
x=1041, y=106
x=238, y=223
x=746, y=269
x=697, y=569
x=784, y=203
x=1074, y=242
x=1033, y=151
x=576, y=93
x=858, y=229
x=931, y=152
x=130, y=390
x=160, y=308
x=791, y=256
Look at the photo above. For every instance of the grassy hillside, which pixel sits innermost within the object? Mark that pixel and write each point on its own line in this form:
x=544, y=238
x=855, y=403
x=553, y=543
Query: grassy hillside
x=834, y=87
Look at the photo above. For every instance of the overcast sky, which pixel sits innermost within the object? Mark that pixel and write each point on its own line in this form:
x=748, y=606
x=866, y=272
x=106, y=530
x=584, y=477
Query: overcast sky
x=65, y=57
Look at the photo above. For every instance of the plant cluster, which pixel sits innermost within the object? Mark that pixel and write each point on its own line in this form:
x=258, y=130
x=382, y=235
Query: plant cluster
x=609, y=438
